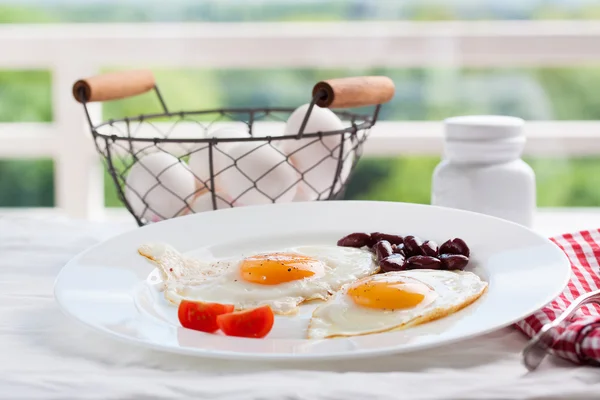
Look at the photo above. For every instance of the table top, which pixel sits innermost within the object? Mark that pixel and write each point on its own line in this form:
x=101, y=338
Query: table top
x=47, y=355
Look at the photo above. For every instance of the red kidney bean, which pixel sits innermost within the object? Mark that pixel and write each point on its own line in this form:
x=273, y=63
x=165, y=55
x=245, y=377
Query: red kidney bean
x=393, y=239
x=430, y=248
x=455, y=246
x=357, y=239
x=454, y=261
x=383, y=249
x=423, y=262
x=395, y=262
x=412, y=246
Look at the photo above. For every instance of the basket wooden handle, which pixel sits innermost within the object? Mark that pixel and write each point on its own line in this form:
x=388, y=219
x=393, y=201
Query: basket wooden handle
x=354, y=92
x=113, y=86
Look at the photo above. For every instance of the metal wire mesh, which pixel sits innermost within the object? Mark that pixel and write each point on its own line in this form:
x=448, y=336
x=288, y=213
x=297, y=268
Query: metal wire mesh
x=169, y=164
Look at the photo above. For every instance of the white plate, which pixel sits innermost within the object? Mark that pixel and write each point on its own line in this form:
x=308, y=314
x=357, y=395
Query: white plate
x=109, y=287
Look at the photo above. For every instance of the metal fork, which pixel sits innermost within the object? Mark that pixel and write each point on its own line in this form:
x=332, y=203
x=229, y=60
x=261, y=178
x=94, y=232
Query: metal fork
x=540, y=345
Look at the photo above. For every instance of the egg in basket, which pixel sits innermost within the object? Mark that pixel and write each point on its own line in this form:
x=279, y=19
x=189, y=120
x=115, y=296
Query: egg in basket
x=175, y=163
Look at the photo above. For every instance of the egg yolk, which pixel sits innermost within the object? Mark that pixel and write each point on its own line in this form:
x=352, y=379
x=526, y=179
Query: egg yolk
x=276, y=268
x=391, y=295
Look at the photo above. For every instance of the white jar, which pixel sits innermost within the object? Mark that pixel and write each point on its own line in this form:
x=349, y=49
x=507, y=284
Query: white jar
x=482, y=170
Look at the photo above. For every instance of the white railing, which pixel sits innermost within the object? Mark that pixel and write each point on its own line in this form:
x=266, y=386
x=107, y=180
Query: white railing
x=75, y=51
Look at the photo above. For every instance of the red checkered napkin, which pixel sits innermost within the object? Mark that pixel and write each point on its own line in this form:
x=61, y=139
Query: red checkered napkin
x=579, y=340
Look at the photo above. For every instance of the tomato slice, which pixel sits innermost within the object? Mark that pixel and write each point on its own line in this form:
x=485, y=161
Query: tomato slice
x=201, y=316
x=253, y=323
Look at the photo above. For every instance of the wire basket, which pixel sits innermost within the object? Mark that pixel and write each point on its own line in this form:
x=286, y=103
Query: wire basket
x=169, y=164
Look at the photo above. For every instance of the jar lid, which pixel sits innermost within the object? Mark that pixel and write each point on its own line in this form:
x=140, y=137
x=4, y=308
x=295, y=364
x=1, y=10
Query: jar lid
x=482, y=127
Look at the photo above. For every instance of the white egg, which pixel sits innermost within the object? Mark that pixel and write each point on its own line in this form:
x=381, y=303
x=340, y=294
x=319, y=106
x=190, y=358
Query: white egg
x=267, y=128
x=394, y=300
x=317, y=158
x=158, y=185
x=204, y=202
x=282, y=279
x=199, y=160
x=259, y=164
x=307, y=191
x=274, y=130
x=214, y=128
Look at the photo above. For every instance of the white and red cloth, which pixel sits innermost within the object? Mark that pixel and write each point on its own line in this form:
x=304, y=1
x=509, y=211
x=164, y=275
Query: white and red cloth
x=579, y=340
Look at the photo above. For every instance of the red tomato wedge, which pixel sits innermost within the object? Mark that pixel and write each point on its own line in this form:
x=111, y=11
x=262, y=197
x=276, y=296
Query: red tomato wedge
x=254, y=323
x=201, y=316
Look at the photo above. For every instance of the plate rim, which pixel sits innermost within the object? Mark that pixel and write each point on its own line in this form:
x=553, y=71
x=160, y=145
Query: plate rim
x=304, y=357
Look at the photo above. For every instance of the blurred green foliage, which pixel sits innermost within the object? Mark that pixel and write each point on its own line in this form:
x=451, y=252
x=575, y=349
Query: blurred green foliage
x=26, y=183
x=571, y=93
x=25, y=96
x=17, y=14
x=182, y=90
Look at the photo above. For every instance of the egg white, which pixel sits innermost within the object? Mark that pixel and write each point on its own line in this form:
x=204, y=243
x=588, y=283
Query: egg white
x=220, y=281
x=340, y=316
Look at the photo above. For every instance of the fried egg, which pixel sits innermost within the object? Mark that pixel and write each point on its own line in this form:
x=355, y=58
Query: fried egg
x=282, y=279
x=393, y=301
